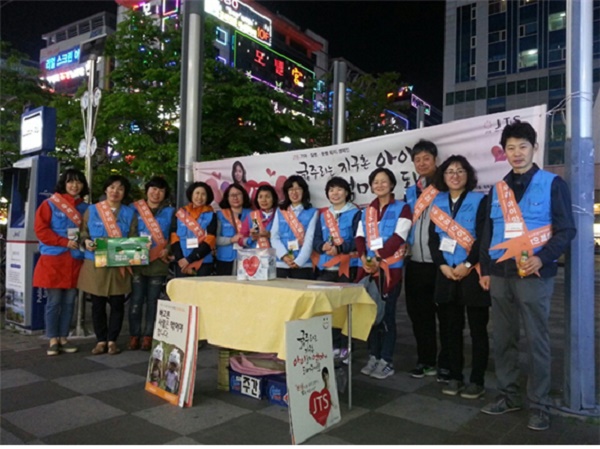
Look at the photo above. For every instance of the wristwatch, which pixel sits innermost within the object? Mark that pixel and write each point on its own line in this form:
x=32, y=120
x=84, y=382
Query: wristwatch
x=468, y=264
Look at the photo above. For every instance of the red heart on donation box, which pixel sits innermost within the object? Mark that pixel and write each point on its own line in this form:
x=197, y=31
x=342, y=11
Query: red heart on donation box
x=320, y=405
x=251, y=265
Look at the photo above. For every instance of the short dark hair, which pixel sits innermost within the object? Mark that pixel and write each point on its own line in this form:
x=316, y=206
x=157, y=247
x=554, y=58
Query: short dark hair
x=440, y=183
x=121, y=180
x=338, y=181
x=235, y=165
x=265, y=188
x=210, y=196
x=224, y=204
x=424, y=145
x=305, y=193
x=387, y=171
x=160, y=183
x=72, y=174
x=519, y=130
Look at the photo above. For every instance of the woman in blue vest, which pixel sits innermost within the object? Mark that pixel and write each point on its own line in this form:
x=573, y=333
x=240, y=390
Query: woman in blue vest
x=107, y=285
x=154, y=216
x=264, y=204
x=457, y=219
x=60, y=259
x=293, y=231
x=380, y=238
x=194, y=251
x=235, y=208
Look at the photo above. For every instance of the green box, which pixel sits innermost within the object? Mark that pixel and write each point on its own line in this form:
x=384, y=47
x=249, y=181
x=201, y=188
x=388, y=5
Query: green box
x=122, y=252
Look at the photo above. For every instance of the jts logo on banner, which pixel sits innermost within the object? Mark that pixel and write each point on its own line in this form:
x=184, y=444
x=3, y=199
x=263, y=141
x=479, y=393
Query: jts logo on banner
x=477, y=139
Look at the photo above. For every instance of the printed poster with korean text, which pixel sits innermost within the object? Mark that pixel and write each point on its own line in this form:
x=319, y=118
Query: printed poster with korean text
x=172, y=365
x=313, y=398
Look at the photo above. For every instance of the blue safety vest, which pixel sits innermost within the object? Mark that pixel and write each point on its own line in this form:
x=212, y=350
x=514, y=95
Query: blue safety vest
x=96, y=225
x=251, y=243
x=163, y=217
x=60, y=223
x=227, y=253
x=466, y=217
x=387, y=226
x=184, y=233
x=285, y=232
x=345, y=224
x=535, y=207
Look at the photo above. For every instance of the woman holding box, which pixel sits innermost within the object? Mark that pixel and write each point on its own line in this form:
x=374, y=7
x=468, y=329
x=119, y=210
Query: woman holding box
x=293, y=231
x=57, y=222
x=256, y=229
x=235, y=208
x=107, y=285
x=193, y=233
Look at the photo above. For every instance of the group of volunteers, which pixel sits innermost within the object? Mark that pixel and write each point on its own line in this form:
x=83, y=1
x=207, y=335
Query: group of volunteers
x=459, y=250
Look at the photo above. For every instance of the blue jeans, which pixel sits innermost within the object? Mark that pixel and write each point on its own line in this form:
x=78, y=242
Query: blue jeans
x=59, y=311
x=144, y=290
x=382, y=338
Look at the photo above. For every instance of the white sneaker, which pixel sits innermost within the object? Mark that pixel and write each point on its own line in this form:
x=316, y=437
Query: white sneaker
x=382, y=370
x=370, y=366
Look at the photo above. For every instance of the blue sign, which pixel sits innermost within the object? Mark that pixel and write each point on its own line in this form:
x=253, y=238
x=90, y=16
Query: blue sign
x=64, y=58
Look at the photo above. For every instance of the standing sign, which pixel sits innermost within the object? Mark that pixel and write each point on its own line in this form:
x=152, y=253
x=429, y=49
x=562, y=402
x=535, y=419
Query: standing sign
x=314, y=404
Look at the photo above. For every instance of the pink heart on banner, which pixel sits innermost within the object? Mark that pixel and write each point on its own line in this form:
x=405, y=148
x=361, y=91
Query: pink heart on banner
x=216, y=175
x=271, y=172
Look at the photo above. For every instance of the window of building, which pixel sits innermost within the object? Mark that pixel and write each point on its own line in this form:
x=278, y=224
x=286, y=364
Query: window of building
x=72, y=32
x=528, y=29
x=449, y=98
x=496, y=105
x=473, y=41
x=596, y=76
x=557, y=21
x=501, y=90
x=481, y=93
x=470, y=95
x=528, y=58
x=510, y=88
x=472, y=71
x=522, y=87
x=84, y=27
x=496, y=6
x=543, y=82
x=556, y=81
x=221, y=36
x=97, y=22
x=460, y=97
x=532, y=85
x=491, y=91
x=473, y=11
x=62, y=36
x=526, y=2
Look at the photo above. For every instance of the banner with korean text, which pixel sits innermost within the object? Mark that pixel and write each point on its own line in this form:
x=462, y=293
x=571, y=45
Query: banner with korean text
x=477, y=138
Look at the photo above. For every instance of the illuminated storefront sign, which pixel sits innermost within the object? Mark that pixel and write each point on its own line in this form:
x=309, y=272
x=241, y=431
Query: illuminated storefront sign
x=78, y=72
x=163, y=8
x=242, y=17
x=64, y=58
x=263, y=64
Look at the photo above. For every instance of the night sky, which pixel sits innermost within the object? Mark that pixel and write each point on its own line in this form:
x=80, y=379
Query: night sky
x=376, y=36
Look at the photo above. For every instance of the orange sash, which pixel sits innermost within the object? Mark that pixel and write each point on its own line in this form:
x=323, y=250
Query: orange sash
x=294, y=224
x=511, y=211
x=62, y=204
x=342, y=259
x=372, y=234
x=154, y=228
x=454, y=231
x=195, y=229
x=262, y=242
x=426, y=198
x=111, y=226
x=237, y=224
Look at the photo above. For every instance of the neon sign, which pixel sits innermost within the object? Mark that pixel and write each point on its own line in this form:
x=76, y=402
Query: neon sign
x=67, y=57
x=242, y=17
x=78, y=72
x=163, y=9
x=269, y=67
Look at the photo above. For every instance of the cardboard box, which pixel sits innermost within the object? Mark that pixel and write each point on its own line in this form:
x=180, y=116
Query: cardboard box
x=245, y=385
x=276, y=390
x=256, y=264
x=122, y=252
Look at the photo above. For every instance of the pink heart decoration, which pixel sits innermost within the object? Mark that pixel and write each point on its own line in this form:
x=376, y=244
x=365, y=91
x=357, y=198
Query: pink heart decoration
x=271, y=172
x=251, y=265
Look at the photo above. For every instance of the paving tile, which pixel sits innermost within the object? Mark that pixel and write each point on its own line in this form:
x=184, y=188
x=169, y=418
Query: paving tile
x=64, y=365
x=181, y=441
x=324, y=439
x=370, y=395
x=439, y=413
x=400, y=381
x=276, y=412
x=61, y=416
x=249, y=429
x=7, y=438
x=377, y=428
x=121, y=430
x=203, y=415
x=106, y=379
x=125, y=358
x=32, y=395
x=131, y=398
x=17, y=377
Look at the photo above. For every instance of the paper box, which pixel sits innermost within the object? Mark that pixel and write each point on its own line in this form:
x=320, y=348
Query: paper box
x=276, y=390
x=256, y=264
x=122, y=252
x=253, y=386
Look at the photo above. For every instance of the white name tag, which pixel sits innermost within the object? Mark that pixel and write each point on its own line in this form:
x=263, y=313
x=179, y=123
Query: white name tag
x=448, y=245
x=293, y=245
x=73, y=234
x=144, y=234
x=512, y=230
x=376, y=243
x=191, y=243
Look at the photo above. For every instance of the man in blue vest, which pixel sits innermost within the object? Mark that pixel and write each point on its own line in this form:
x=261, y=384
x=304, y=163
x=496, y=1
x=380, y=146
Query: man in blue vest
x=529, y=211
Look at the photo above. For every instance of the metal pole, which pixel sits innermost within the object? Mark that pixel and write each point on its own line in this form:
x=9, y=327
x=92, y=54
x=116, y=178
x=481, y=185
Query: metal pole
x=192, y=68
x=340, y=69
x=580, y=366
x=420, y=116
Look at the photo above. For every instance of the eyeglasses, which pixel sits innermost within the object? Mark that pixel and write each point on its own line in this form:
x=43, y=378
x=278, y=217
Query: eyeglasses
x=455, y=173
x=295, y=189
x=235, y=195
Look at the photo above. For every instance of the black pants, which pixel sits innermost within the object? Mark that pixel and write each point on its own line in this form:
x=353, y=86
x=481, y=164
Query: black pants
x=296, y=273
x=454, y=315
x=108, y=331
x=206, y=269
x=422, y=310
x=224, y=268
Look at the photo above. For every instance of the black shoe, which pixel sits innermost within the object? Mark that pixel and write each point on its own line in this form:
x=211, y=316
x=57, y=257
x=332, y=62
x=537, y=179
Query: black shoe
x=421, y=371
x=443, y=376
